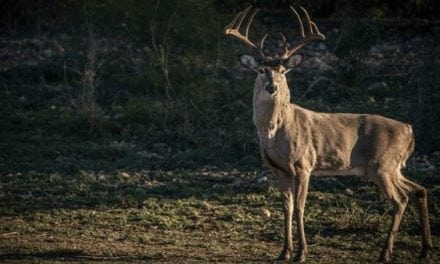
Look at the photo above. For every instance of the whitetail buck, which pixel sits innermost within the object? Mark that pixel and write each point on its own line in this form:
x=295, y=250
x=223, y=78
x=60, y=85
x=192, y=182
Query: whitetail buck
x=296, y=142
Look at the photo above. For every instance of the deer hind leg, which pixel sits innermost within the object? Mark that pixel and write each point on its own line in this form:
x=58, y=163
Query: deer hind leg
x=419, y=196
x=390, y=187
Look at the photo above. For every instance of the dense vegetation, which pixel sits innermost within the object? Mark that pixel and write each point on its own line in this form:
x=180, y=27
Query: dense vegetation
x=160, y=75
x=138, y=115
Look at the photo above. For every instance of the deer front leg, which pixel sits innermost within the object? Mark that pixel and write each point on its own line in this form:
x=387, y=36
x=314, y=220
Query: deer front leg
x=286, y=189
x=301, y=187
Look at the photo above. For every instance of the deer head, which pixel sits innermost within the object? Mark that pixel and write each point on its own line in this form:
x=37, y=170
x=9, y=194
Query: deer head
x=271, y=65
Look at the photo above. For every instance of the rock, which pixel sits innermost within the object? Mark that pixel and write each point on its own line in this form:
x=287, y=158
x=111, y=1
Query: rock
x=265, y=213
x=348, y=191
x=261, y=180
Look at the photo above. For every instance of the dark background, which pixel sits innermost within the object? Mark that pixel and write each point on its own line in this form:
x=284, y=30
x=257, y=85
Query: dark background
x=155, y=84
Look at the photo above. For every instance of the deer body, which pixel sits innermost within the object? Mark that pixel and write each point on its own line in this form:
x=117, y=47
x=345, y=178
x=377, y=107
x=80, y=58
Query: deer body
x=296, y=143
x=329, y=144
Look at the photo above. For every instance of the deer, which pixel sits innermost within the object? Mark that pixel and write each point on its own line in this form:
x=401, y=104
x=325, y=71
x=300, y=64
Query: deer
x=296, y=142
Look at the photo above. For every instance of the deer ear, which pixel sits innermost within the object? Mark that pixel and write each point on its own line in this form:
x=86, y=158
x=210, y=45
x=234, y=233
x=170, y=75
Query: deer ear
x=293, y=61
x=249, y=62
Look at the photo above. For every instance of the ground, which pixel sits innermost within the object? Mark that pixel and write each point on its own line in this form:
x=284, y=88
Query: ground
x=207, y=215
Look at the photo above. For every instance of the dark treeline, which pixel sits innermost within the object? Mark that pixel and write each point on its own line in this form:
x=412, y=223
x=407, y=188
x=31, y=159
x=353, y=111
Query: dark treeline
x=162, y=76
x=16, y=15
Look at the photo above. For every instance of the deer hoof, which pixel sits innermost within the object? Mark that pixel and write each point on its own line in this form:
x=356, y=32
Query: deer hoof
x=300, y=256
x=385, y=256
x=425, y=253
x=284, y=255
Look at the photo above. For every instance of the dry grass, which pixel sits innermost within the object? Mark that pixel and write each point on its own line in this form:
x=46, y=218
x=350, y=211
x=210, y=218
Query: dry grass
x=201, y=216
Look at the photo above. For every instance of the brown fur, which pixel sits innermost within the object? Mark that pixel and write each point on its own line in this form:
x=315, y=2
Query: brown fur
x=296, y=142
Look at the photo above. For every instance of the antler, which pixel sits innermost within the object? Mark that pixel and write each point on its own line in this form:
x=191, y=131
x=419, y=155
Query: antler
x=234, y=28
x=310, y=33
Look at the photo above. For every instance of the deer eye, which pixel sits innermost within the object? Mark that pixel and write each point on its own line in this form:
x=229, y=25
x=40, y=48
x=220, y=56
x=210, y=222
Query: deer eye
x=260, y=70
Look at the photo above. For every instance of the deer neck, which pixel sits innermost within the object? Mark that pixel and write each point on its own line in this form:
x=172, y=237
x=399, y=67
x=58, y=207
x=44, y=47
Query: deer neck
x=269, y=114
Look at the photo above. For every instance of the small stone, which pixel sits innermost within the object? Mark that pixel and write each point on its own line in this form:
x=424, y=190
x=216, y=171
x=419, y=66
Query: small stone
x=265, y=213
x=348, y=191
x=125, y=175
x=261, y=180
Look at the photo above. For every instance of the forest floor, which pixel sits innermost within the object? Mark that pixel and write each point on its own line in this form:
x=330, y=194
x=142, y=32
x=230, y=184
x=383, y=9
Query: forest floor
x=207, y=215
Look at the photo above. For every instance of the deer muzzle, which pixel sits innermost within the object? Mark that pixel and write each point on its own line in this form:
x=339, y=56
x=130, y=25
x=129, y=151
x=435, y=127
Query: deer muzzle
x=271, y=88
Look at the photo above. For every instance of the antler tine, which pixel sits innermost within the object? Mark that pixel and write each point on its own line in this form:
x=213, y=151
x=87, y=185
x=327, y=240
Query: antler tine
x=312, y=33
x=251, y=19
x=262, y=42
x=313, y=28
x=298, y=17
x=283, y=37
x=234, y=27
x=242, y=17
x=309, y=25
x=316, y=30
x=231, y=26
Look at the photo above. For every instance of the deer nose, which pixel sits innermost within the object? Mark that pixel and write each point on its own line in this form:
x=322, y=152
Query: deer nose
x=271, y=88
